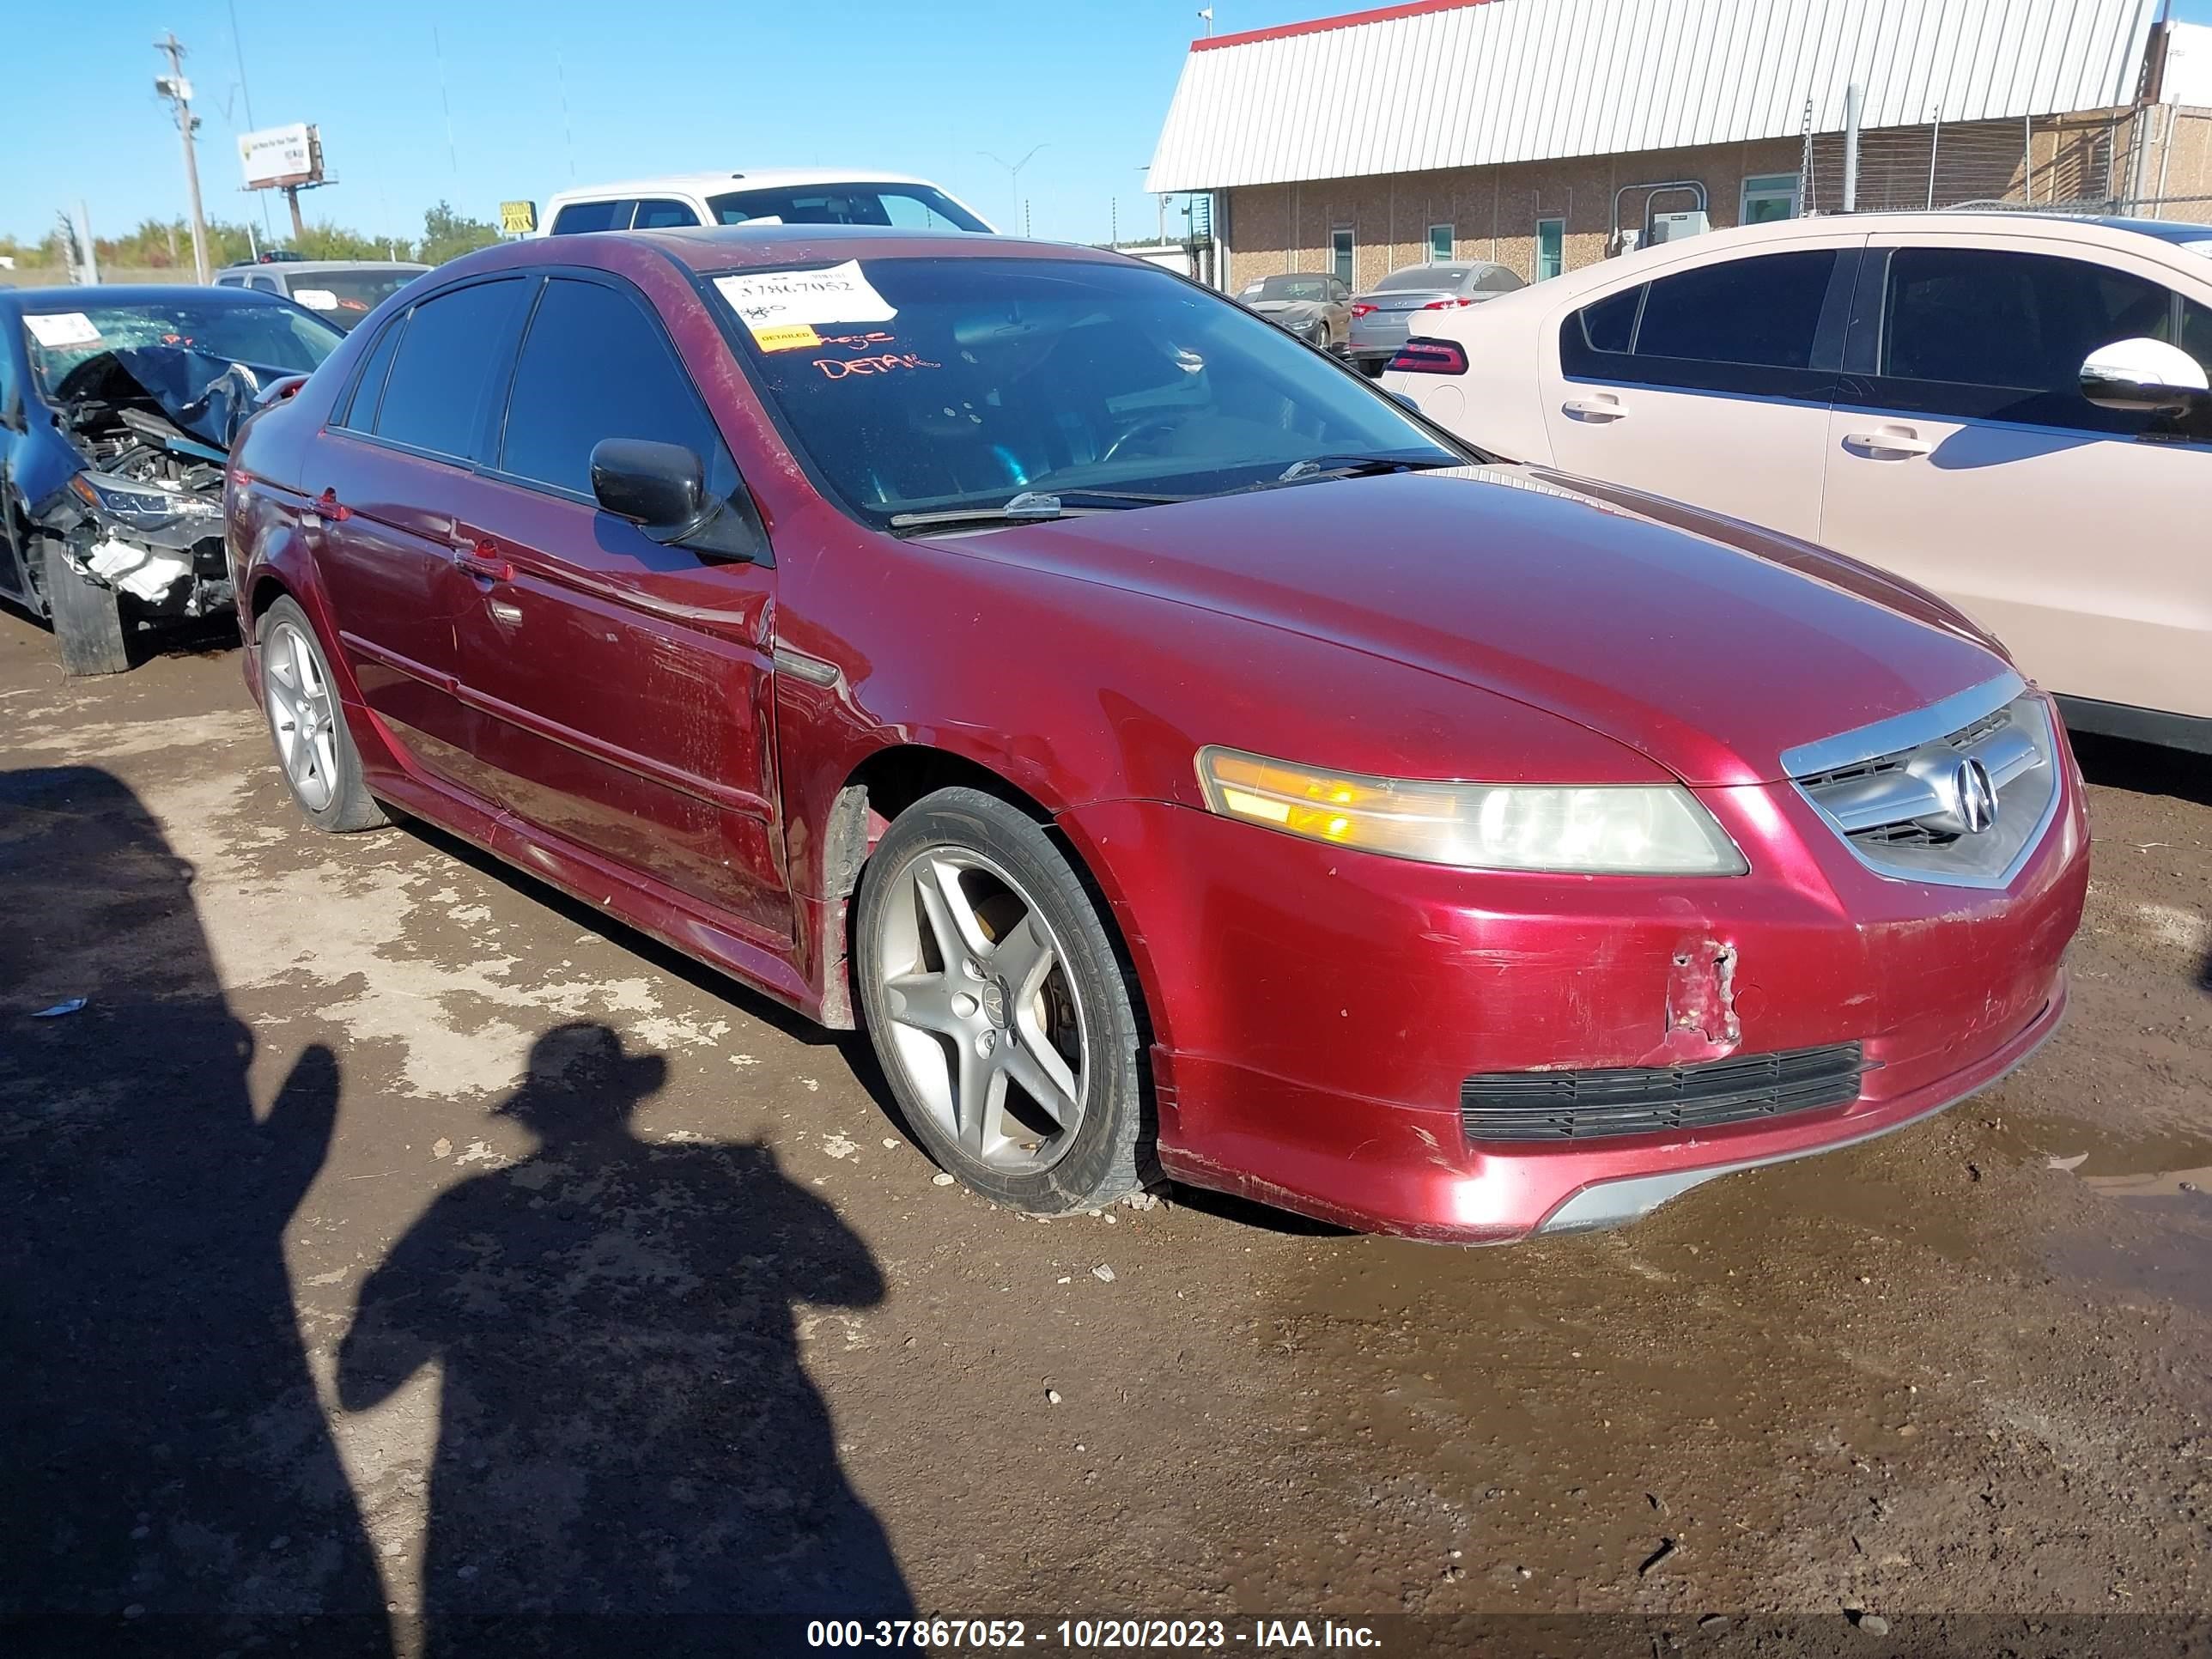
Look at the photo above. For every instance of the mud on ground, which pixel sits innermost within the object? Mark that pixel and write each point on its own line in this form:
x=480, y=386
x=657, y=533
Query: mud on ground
x=391, y=1236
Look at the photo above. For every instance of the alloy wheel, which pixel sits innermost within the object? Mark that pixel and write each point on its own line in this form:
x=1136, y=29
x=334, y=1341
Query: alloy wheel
x=303, y=716
x=987, y=1021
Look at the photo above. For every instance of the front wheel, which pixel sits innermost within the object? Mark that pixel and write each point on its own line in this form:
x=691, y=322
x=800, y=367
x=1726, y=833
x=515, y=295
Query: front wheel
x=320, y=764
x=87, y=619
x=999, y=1007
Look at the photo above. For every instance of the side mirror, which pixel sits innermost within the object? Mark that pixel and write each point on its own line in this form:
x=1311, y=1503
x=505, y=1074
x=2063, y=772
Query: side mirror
x=660, y=486
x=2147, y=376
x=1405, y=399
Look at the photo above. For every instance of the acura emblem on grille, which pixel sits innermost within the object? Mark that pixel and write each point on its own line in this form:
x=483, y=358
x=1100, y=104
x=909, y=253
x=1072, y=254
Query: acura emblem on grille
x=1977, y=797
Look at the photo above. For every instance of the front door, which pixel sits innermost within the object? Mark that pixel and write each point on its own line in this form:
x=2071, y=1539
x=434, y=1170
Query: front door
x=381, y=520
x=1709, y=385
x=1961, y=454
x=624, y=689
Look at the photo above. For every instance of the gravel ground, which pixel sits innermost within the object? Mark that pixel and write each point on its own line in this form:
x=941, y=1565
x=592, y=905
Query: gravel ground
x=390, y=1237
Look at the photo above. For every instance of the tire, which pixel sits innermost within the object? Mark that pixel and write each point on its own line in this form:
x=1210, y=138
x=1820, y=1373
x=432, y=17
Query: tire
x=1037, y=981
x=307, y=724
x=87, y=619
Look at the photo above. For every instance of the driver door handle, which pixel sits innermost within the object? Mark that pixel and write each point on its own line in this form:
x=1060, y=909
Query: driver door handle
x=1595, y=409
x=1890, y=443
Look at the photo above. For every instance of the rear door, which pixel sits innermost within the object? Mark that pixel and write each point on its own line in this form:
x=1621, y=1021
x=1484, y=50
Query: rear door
x=1962, y=454
x=624, y=687
x=386, y=472
x=1710, y=385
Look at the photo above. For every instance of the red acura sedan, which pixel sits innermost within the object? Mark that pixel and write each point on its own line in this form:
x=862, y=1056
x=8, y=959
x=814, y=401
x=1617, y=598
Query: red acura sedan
x=1180, y=757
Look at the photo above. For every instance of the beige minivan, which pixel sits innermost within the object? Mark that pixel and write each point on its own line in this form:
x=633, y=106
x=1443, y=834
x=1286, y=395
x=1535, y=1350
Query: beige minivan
x=2009, y=407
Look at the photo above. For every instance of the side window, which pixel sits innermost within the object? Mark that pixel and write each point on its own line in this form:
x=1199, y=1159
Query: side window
x=595, y=365
x=368, y=390
x=1610, y=324
x=434, y=398
x=579, y=216
x=1985, y=316
x=1497, y=279
x=2196, y=333
x=7, y=367
x=230, y=282
x=1764, y=311
x=658, y=214
x=266, y=284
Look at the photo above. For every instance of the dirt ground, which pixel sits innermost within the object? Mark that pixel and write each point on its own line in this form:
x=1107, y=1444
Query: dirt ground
x=389, y=1237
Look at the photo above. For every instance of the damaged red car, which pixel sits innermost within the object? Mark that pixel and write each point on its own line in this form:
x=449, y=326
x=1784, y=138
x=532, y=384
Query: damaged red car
x=1181, y=759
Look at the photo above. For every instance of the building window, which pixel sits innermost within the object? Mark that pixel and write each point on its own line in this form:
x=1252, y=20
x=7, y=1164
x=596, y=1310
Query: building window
x=1440, y=243
x=1339, y=252
x=1551, y=248
x=1769, y=195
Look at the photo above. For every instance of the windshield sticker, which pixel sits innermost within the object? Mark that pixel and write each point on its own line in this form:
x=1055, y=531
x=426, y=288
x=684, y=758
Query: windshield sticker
x=786, y=336
x=837, y=369
x=316, y=298
x=779, y=299
x=62, y=329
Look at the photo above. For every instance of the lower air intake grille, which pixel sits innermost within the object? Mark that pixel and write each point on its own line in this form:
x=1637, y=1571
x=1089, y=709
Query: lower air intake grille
x=1638, y=1100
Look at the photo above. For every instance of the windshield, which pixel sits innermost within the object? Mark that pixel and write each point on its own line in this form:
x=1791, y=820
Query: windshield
x=907, y=206
x=1424, y=276
x=916, y=383
x=271, y=335
x=344, y=297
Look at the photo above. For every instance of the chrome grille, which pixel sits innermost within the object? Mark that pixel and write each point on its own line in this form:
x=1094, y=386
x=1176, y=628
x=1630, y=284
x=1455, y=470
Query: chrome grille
x=1958, y=793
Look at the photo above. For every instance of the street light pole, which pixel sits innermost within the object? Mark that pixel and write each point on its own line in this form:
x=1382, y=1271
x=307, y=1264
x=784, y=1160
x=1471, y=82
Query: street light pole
x=1014, y=176
x=179, y=91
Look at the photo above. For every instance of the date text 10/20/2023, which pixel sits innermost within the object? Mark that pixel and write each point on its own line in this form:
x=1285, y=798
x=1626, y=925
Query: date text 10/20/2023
x=1257, y=1636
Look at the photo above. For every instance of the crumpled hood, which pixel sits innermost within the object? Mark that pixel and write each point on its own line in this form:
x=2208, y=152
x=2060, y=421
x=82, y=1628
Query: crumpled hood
x=1704, y=644
x=206, y=397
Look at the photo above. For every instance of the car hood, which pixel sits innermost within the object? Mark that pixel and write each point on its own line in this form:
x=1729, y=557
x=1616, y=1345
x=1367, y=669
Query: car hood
x=204, y=396
x=1706, y=645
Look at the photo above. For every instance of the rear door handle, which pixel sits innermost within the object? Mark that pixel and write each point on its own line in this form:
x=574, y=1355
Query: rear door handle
x=482, y=559
x=1595, y=409
x=327, y=508
x=1890, y=443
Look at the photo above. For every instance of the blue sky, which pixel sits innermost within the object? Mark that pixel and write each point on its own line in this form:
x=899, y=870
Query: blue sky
x=651, y=86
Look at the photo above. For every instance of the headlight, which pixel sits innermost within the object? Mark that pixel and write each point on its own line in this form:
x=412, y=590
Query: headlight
x=140, y=505
x=1614, y=829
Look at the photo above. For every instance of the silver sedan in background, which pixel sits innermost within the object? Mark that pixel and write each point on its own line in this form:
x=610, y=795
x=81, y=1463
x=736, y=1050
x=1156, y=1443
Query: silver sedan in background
x=1314, y=305
x=1382, y=317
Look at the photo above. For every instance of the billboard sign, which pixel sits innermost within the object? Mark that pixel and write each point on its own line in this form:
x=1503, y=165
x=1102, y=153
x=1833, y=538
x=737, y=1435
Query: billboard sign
x=276, y=157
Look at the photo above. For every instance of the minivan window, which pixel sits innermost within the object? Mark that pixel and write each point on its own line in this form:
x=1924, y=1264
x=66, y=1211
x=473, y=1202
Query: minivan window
x=593, y=366
x=1992, y=318
x=1762, y=312
x=661, y=215
x=580, y=216
x=434, y=398
x=843, y=204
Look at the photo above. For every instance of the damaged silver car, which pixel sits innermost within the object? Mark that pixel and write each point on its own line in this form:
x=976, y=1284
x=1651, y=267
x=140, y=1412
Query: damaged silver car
x=119, y=407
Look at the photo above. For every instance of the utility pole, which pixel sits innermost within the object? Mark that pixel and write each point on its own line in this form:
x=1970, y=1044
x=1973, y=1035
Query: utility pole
x=179, y=91
x=238, y=51
x=1014, y=176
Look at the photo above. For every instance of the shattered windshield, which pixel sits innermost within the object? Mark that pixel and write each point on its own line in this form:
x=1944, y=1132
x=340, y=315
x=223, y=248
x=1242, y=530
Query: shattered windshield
x=921, y=384
x=267, y=336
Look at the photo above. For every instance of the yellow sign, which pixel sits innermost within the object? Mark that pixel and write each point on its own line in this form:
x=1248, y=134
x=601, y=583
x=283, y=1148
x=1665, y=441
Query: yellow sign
x=518, y=218
x=786, y=336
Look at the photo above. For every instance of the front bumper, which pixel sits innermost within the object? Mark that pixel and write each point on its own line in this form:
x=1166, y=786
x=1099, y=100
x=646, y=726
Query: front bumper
x=1315, y=1011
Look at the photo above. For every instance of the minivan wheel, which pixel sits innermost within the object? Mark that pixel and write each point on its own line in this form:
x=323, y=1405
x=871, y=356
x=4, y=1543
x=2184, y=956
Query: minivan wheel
x=87, y=621
x=998, y=1008
x=313, y=748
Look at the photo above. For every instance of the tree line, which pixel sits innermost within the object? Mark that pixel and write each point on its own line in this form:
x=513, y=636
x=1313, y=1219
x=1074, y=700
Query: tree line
x=167, y=244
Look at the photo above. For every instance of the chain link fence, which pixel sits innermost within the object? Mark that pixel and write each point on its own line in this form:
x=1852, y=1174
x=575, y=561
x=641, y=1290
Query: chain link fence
x=2109, y=161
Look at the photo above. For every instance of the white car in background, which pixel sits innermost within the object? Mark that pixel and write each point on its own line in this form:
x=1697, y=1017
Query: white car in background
x=773, y=196
x=2008, y=408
